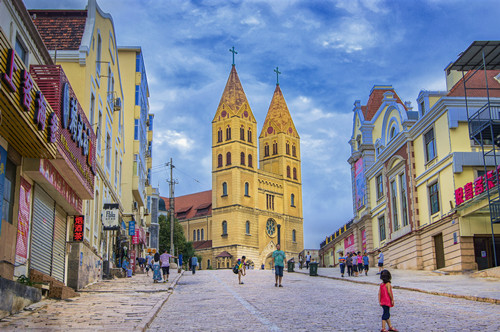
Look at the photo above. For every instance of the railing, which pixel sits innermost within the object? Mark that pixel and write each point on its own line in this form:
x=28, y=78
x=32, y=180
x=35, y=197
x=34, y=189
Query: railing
x=480, y=119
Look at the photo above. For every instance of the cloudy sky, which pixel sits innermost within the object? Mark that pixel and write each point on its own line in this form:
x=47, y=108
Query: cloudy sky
x=330, y=53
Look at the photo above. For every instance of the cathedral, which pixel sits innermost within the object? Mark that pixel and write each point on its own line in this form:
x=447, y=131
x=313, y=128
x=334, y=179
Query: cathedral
x=251, y=207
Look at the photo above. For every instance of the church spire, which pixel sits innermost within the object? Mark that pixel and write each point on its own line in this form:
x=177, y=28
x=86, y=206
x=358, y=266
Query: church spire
x=278, y=119
x=233, y=101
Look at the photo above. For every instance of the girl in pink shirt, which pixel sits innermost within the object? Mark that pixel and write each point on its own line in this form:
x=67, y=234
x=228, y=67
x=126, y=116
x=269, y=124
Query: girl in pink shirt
x=386, y=300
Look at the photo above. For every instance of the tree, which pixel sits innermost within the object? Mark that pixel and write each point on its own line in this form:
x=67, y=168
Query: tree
x=181, y=245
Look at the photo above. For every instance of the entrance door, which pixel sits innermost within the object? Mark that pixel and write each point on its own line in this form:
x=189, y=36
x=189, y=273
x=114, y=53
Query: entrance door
x=483, y=251
x=42, y=232
x=439, y=250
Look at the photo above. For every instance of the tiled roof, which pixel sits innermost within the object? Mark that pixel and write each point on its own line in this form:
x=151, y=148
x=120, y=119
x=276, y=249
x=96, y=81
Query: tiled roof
x=187, y=206
x=197, y=245
x=278, y=118
x=224, y=254
x=375, y=100
x=60, y=29
x=233, y=97
x=476, y=86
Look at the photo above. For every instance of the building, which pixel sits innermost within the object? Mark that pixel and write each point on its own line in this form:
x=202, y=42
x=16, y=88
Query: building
x=250, y=209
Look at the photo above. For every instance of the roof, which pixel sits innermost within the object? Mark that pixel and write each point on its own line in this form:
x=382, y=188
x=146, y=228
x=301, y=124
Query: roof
x=191, y=204
x=224, y=254
x=375, y=101
x=476, y=84
x=233, y=100
x=60, y=29
x=198, y=245
x=472, y=57
x=278, y=118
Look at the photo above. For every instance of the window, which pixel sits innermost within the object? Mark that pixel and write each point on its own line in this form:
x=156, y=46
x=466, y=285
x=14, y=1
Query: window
x=224, y=228
x=21, y=51
x=98, y=55
x=380, y=186
x=9, y=191
x=358, y=142
x=294, y=173
x=219, y=160
x=242, y=158
x=393, y=133
x=247, y=227
x=136, y=129
x=275, y=148
x=116, y=169
x=120, y=184
x=228, y=133
x=98, y=133
x=266, y=150
x=108, y=151
x=429, y=143
x=242, y=133
x=250, y=161
x=434, y=197
x=270, y=226
x=224, y=189
x=381, y=228
x=249, y=135
x=247, y=188
x=287, y=148
x=137, y=95
x=92, y=109
x=294, y=236
x=194, y=235
x=394, y=206
x=111, y=87
x=294, y=152
x=422, y=107
x=404, y=212
x=292, y=200
x=198, y=235
x=228, y=158
x=288, y=171
x=219, y=135
x=202, y=235
x=270, y=202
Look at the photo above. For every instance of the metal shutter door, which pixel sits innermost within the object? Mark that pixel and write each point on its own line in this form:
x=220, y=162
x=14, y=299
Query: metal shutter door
x=42, y=231
x=59, y=246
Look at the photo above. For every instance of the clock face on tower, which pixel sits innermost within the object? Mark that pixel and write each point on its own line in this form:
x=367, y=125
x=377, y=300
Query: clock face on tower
x=270, y=227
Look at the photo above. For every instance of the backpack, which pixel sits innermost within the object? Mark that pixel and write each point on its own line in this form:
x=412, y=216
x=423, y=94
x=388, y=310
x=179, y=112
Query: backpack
x=236, y=269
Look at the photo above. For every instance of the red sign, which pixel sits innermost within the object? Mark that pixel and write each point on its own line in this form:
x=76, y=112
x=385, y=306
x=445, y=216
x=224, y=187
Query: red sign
x=477, y=187
x=349, y=244
x=363, y=241
x=136, y=236
x=132, y=259
x=78, y=228
x=23, y=221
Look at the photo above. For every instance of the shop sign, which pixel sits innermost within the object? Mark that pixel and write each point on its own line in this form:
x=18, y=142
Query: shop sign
x=27, y=86
x=349, y=244
x=136, y=236
x=110, y=216
x=363, y=241
x=57, y=181
x=23, y=222
x=131, y=227
x=479, y=186
x=78, y=228
x=132, y=259
x=3, y=165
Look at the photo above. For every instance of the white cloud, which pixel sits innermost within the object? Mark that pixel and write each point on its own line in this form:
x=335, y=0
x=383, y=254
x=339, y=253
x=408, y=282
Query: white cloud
x=352, y=35
x=175, y=139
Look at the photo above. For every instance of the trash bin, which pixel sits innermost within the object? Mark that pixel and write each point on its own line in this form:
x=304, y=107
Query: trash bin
x=291, y=266
x=313, y=269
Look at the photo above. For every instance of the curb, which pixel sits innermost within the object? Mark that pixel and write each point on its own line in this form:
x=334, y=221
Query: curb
x=457, y=296
x=157, y=307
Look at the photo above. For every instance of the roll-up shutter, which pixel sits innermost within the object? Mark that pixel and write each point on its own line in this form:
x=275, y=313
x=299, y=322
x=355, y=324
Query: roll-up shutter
x=59, y=245
x=42, y=231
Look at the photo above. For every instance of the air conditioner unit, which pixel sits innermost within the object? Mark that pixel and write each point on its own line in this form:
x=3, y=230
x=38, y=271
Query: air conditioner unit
x=117, y=104
x=135, y=206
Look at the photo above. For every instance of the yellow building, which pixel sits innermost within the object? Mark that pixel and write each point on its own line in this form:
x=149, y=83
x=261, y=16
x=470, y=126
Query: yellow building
x=249, y=205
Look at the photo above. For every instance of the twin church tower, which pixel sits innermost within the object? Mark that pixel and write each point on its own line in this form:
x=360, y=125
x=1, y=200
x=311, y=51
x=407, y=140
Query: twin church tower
x=256, y=197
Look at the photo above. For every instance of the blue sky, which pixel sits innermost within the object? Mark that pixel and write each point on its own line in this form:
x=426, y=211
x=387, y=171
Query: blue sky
x=330, y=53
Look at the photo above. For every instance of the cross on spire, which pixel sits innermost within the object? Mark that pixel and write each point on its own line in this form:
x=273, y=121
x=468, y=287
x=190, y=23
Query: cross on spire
x=277, y=76
x=234, y=52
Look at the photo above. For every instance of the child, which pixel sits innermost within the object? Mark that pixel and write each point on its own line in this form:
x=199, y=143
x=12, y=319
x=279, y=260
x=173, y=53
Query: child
x=241, y=269
x=360, y=263
x=355, y=264
x=366, y=262
x=386, y=300
x=342, y=264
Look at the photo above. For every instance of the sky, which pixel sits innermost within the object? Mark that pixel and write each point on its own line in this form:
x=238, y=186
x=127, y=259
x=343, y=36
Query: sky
x=330, y=54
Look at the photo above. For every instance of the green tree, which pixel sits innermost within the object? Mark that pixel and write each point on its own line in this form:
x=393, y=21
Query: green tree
x=181, y=245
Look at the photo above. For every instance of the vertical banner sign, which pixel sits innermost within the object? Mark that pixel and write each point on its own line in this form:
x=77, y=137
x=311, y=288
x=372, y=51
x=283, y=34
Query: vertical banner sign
x=23, y=222
x=3, y=165
x=78, y=228
x=363, y=241
x=349, y=244
x=131, y=227
x=359, y=178
x=135, y=237
x=132, y=259
x=110, y=216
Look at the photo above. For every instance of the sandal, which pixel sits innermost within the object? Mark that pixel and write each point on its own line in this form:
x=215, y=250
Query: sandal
x=393, y=329
x=383, y=330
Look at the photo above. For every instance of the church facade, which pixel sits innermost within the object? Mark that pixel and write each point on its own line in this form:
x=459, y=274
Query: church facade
x=256, y=196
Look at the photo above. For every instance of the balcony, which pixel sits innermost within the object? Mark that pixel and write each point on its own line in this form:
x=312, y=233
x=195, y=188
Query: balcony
x=138, y=190
x=479, y=123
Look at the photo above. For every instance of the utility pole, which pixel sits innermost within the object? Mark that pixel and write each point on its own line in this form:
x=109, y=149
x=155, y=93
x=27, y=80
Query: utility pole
x=171, y=206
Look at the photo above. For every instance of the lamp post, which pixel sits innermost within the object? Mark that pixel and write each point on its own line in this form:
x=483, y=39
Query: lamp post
x=279, y=234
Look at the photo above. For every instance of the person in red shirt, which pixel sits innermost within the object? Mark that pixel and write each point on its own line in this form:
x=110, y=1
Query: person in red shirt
x=386, y=300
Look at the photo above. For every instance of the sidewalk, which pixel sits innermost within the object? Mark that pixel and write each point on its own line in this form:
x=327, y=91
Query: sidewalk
x=123, y=304
x=458, y=286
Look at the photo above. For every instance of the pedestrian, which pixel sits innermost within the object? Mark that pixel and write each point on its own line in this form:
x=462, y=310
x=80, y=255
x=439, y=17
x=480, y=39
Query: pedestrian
x=366, y=262
x=165, y=264
x=149, y=263
x=241, y=269
x=355, y=264
x=301, y=260
x=349, y=264
x=342, y=264
x=156, y=268
x=279, y=260
x=194, y=264
x=360, y=263
x=308, y=260
x=380, y=261
x=179, y=262
x=386, y=300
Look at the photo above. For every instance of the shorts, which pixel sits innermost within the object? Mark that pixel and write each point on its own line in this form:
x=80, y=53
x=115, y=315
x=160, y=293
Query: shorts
x=360, y=267
x=380, y=264
x=165, y=269
x=386, y=315
x=278, y=270
x=355, y=268
x=366, y=268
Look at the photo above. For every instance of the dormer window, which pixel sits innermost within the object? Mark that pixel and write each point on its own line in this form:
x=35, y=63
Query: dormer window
x=393, y=133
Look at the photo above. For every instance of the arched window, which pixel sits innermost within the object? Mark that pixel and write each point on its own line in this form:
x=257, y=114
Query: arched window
x=228, y=133
x=393, y=133
x=287, y=148
x=247, y=227
x=288, y=171
x=242, y=133
x=219, y=160
x=228, y=158
x=242, y=158
x=247, y=188
x=203, y=238
x=294, y=151
x=250, y=161
x=249, y=138
x=275, y=147
x=198, y=235
x=224, y=189
x=292, y=200
x=224, y=227
x=294, y=173
x=294, y=236
x=266, y=150
x=194, y=235
x=219, y=135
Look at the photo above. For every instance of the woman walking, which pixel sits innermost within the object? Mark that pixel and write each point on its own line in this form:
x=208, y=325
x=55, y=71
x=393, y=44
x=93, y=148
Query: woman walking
x=349, y=264
x=156, y=268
